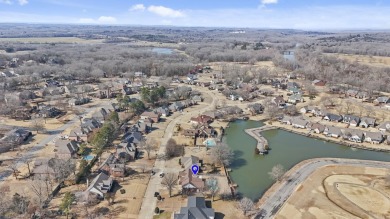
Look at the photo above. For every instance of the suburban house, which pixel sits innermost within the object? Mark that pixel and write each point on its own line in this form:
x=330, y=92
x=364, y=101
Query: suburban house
x=47, y=111
x=78, y=134
x=90, y=124
x=382, y=100
x=200, y=120
x=318, y=82
x=163, y=111
x=255, y=108
x=111, y=166
x=100, y=115
x=317, y=128
x=16, y=136
x=367, y=122
x=100, y=185
x=176, y=106
x=126, y=150
x=351, y=93
x=319, y=112
x=292, y=85
x=363, y=95
x=78, y=101
x=66, y=149
x=374, y=137
x=332, y=131
x=133, y=137
x=190, y=183
x=142, y=127
x=279, y=101
x=42, y=170
x=351, y=120
x=299, y=123
x=213, y=114
x=287, y=120
x=187, y=162
x=333, y=117
x=384, y=127
x=196, y=208
x=295, y=98
x=308, y=109
x=155, y=117
x=197, y=98
x=354, y=135
x=192, y=133
x=294, y=90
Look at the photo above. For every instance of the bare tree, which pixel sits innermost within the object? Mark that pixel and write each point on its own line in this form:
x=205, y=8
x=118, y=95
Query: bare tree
x=149, y=146
x=271, y=110
x=221, y=154
x=38, y=188
x=277, y=172
x=349, y=107
x=212, y=186
x=246, y=204
x=169, y=181
x=172, y=149
x=15, y=170
x=38, y=125
x=28, y=163
x=291, y=110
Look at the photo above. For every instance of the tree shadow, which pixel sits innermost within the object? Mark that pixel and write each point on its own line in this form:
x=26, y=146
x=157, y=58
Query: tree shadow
x=239, y=163
x=219, y=215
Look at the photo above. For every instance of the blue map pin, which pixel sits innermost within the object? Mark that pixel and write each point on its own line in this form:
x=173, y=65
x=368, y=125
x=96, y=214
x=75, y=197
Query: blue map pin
x=195, y=169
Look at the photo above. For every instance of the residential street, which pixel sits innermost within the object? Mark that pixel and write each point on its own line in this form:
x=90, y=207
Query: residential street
x=274, y=203
x=31, y=152
x=149, y=202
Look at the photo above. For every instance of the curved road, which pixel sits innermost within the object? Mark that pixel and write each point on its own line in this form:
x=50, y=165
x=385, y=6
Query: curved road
x=274, y=203
x=149, y=202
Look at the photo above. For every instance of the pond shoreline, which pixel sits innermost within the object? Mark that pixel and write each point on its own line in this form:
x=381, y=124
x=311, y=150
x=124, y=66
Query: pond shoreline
x=320, y=137
x=288, y=148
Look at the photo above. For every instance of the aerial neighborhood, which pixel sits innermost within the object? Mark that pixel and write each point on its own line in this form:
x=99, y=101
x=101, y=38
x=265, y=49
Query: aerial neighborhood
x=160, y=122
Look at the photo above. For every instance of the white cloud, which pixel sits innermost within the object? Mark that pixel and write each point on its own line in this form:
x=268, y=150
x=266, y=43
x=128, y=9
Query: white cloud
x=137, y=7
x=8, y=2
x=100, y=20
x=165, y=12
x=106, y=20
x=23, y=2
x=264, y=2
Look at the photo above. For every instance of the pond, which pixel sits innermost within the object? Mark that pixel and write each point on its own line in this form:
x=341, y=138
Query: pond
x=163, y=51
x=250, y=171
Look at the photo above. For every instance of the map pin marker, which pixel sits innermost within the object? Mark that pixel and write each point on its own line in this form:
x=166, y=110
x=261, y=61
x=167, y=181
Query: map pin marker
x=195, y=169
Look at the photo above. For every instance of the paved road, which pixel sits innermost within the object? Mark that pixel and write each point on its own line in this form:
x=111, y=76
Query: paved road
x=34, y=150
x=149, y=202
x=274, y=203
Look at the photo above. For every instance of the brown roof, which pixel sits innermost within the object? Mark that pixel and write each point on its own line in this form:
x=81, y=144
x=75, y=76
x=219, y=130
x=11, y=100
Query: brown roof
x=150, y=114
x=189, y=132
x=202, y=119
x=186, y=177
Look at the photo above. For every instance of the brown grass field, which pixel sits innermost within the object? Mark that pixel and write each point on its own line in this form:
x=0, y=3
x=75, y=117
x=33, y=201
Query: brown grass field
x=376, y=61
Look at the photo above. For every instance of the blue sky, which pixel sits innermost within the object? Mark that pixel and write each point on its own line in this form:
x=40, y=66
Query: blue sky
x=296, y=14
